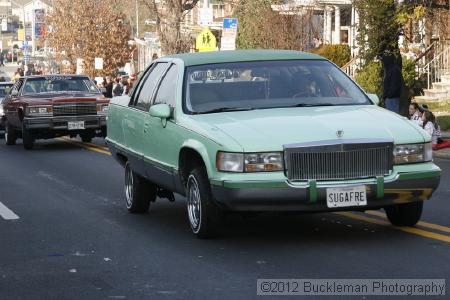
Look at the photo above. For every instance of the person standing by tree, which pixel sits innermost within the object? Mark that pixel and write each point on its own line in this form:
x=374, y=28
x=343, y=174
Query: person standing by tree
x=392, y=83
x=109, y=87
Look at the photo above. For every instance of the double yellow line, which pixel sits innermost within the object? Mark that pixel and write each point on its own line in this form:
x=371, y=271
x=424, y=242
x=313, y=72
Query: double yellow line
x=422, y=228
x=88, y=146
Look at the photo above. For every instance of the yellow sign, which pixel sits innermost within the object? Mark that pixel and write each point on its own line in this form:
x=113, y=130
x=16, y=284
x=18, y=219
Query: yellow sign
x=205, y=41
x=21, y=34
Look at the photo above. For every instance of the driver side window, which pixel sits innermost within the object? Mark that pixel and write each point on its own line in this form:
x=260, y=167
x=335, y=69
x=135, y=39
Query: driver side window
x=145, y=96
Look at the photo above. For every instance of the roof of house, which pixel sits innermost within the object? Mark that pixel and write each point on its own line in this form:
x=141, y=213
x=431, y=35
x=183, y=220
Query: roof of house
x=201, y=58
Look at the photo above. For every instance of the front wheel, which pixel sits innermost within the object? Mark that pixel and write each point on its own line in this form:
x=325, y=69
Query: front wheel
x=10, y=135
x=28, y=138
x=138, y=191
x=204, y=216
x=407, y=214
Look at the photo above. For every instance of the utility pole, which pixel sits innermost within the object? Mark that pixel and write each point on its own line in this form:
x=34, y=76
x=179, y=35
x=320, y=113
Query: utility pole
x=33, y=29
x=137, y=18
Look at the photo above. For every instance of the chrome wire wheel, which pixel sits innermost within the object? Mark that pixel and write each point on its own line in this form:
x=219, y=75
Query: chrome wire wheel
x=194, y=204
x=128, y=185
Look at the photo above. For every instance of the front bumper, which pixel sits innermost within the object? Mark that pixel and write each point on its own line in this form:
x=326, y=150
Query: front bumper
x=397, y=188
x=60, y=122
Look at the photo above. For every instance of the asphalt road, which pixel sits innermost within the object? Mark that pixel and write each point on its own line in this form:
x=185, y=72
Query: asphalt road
x=74, y=239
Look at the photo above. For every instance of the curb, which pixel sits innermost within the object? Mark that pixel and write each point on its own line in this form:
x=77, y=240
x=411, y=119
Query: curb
x=444, y=155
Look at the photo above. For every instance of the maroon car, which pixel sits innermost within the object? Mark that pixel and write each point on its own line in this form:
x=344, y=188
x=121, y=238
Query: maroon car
x=48, y=106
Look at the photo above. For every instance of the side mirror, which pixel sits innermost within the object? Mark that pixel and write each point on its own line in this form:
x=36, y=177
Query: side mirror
x=162, y=111
x=14, y=93
x=374, y=98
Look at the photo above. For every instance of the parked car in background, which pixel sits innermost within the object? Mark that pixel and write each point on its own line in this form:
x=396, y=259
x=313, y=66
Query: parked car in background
x=266, y=131
x=5, y=88
x=48, y=106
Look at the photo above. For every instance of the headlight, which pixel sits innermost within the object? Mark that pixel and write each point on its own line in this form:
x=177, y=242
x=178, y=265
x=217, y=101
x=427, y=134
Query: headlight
x=250, y=162
x=412, y=153
x=230, y=162
x=102, y=109
x=40, y=111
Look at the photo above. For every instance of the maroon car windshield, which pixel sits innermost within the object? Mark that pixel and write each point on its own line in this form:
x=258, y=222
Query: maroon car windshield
x=58, y=84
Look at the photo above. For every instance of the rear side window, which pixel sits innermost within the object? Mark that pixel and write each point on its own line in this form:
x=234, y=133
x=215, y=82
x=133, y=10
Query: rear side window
x=167, y=90
x=145, y=95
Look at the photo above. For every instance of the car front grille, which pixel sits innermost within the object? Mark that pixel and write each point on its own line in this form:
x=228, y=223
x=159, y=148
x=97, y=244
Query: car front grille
x=75, y=109
x=338, y=160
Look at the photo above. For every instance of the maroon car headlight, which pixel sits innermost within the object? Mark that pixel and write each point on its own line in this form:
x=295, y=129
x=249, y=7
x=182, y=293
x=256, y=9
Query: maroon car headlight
x=102, y=109
x=40, y=111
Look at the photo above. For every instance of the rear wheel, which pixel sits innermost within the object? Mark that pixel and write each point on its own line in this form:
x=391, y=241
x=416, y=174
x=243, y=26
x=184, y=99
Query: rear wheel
x=10, y=134
x=205, y=218
x=407, y=214
x=28, y=138
x=138, y=191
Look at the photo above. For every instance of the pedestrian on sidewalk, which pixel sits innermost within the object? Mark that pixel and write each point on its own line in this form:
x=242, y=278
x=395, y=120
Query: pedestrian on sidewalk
x=117, y=88
x=126, y=87
x=108, y=87
x=431, y=126
x=415, y=114
x=392, y=83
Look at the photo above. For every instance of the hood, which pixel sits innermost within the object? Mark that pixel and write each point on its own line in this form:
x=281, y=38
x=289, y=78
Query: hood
x=61, y=98
x=270, y=129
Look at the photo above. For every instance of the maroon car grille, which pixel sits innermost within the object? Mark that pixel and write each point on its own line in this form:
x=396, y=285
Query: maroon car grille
x=75, y=109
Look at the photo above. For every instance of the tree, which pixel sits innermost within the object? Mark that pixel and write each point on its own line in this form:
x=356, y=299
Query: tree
x=262, y=27
x=86, y=29
x=169, y=14
x=379, y=29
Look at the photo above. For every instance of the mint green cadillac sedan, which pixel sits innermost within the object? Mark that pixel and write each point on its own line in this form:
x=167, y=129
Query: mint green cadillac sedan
x=265, y=131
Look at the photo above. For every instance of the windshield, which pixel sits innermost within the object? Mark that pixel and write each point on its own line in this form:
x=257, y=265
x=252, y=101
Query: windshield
x=4, y=89
x=268, y=84
x=59, y=84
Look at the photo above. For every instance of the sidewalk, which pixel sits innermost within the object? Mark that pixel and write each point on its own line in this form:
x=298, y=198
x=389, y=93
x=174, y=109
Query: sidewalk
x=443, y=153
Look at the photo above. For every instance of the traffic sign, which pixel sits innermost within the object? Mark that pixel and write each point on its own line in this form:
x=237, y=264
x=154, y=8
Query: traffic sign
x=205, y=41
x=206, y=16
x=230, y=23
x=229, y=33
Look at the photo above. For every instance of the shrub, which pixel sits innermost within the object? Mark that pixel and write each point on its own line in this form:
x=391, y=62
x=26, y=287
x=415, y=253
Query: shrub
x=444, y=122
x=339, y=54
x=370, y=78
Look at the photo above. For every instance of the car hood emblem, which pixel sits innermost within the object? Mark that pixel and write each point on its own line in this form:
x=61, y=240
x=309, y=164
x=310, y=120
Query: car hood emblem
x=340, y=133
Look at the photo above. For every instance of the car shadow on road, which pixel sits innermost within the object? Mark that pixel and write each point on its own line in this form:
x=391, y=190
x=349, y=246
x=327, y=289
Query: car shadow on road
x=50, y=145
x=277, y=227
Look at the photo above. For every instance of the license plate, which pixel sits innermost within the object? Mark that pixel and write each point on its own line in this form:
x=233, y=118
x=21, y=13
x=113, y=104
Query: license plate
x=346, y=196
x=75, y=125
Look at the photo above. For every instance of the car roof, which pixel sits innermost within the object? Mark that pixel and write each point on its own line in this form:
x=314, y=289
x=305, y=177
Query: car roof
x=201, y=58
x=54, y=75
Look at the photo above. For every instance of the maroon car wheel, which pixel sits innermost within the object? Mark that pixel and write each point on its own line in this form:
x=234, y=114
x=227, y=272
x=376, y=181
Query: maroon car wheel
x=10, y=134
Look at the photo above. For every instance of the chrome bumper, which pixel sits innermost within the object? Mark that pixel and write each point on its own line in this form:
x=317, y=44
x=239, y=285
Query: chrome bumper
x=278, y=196
x=60, y=123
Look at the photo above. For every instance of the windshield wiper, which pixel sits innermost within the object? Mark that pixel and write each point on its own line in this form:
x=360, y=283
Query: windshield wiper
x=312, y=105
x=224, y=109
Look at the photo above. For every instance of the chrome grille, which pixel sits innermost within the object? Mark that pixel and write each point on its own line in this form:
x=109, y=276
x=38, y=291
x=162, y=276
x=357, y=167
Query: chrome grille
x=75, y=109
x=338, y=161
